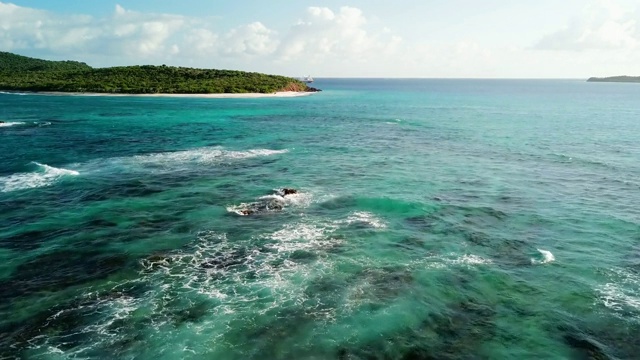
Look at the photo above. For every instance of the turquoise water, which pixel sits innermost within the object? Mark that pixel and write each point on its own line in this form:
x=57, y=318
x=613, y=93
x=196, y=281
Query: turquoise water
x=434, y=219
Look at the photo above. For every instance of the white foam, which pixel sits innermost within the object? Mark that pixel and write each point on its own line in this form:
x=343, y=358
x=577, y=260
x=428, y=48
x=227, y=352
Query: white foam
x=547, y=257
x=171, y=162
x=308, y=233
x=453, y=259
x=471, y=260
x=254, y=153
x=254, y=281
x=225, y=283
x=275, y=198
x=101, y=331
x=298, y=200
x=57, y=171
x=238, y=209
x=622, y=294
x=12, y=93
x=11, y=123
x=363, y=217
x=45, y=176
x=199, y=156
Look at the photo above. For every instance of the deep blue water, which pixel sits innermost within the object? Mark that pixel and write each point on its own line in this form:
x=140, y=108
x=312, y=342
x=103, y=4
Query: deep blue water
x=434, y=219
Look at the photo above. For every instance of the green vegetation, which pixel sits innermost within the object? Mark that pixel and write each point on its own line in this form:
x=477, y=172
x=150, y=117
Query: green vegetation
x=20, y=73
x=16, y=63
x=629, y=79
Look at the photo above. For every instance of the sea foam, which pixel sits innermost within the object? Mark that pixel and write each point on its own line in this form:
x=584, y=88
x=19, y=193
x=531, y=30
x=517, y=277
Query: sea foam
x=13, y=93
x=44, y=176
x=366, y=218
x=205, y=155
x=11, y=123
x=621, y=294
x=297, y=200
x=171, y=162
x=547, y=257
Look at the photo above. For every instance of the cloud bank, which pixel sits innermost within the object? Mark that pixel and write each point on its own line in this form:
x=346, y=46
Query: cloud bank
x=601, y=40
x=127, y=36
x=603, y=25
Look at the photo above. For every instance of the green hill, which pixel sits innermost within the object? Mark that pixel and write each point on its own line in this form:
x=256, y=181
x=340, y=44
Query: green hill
x=20, y=73
x=13, y=62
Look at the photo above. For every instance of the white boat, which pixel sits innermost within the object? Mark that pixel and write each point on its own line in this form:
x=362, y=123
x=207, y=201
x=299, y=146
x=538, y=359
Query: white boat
x=307, y=79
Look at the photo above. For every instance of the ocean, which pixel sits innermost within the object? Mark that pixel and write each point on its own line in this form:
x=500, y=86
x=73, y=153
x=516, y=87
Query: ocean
x=432, y=219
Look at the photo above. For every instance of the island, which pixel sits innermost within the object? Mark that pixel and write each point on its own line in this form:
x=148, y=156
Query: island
x=626, y=79
x=20, y=73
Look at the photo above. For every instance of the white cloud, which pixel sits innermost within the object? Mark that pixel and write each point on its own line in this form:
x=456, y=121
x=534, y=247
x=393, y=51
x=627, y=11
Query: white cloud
x=127, y=36
x=30, y=28
x=603, y=25
x=249, y=40
x=340, y=36
x=125, y=33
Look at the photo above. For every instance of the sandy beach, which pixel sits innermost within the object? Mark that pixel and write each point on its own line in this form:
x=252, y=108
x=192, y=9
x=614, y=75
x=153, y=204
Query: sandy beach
x=282, y=94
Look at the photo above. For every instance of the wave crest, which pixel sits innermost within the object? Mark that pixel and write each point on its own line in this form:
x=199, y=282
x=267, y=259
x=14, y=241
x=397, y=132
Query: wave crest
x=205, y=155
x=45, y=176
x=547, y=257
x=11, y=123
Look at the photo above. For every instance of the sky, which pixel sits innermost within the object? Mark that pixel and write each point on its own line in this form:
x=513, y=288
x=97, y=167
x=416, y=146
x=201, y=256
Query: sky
x=336, y=38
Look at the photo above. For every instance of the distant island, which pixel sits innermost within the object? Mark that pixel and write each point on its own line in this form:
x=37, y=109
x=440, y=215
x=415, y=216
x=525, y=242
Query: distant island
x=627, y=79
x=21, y=73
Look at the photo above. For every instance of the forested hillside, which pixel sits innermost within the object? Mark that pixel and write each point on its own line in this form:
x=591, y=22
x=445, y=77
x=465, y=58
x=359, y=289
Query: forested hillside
x=13, y=62
x=19, y=73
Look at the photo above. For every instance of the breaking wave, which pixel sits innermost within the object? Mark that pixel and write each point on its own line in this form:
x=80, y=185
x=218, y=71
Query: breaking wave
x=273, y=202
x=168, y=162
x=12, y=93
x=203, y=155
x=11, y=123
x=44, y=176
x=547, y=257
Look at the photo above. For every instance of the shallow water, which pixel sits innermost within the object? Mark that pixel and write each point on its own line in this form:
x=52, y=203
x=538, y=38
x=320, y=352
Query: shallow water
x=443, y=219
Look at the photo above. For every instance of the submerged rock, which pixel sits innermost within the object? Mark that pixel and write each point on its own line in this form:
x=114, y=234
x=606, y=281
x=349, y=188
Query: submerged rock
x=56, y=271
x=269, y=203
x=589, y=348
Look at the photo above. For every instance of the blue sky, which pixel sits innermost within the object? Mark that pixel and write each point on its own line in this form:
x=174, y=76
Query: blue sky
x=373, y=38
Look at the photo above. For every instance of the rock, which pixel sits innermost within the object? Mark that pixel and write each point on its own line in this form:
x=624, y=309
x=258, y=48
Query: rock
x=588, y=347
x=287, y=191
x=274, y=202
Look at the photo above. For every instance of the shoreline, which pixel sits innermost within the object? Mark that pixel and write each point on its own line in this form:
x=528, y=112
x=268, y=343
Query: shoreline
x=280, y=94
